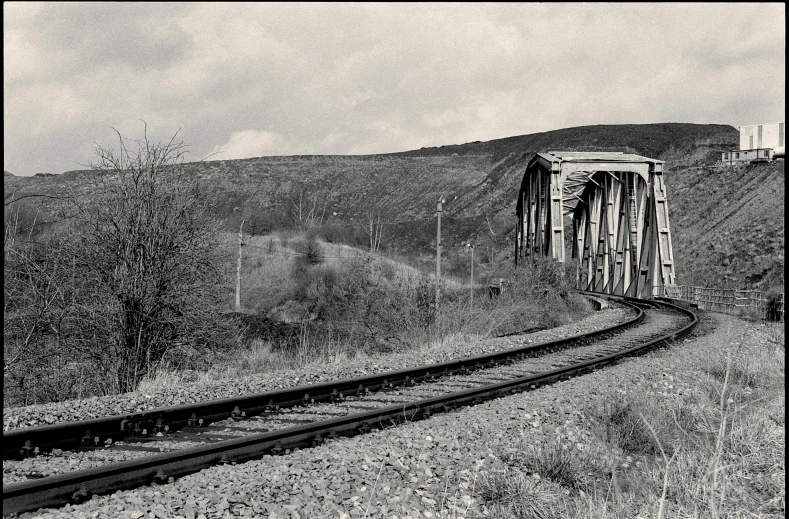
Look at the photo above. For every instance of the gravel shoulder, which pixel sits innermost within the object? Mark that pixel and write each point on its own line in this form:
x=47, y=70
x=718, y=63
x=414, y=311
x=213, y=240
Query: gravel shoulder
x=456, y=348
x=430, y=468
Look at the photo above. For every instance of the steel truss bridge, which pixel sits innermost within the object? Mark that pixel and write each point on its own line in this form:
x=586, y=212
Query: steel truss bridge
x=619, y=213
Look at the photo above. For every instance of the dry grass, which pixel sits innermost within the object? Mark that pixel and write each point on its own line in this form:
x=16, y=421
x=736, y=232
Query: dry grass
x=514, y=494
x=352, y=305
x=259, y=356
x=556, y=461
x=715, y=452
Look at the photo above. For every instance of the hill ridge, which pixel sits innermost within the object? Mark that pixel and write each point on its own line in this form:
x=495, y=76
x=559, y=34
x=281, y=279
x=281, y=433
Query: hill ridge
x=479, y=181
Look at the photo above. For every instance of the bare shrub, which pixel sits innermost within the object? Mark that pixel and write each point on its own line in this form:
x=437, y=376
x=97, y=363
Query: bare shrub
x=147, y=237
x=130, y=275
x=48, y=328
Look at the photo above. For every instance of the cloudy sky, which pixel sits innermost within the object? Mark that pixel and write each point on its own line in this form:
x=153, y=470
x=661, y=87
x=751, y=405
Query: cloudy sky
x=247, y=80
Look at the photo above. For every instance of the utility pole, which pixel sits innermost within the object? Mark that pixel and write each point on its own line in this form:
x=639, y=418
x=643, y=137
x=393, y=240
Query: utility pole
x=472, y=274
x=438, y=255
x=238, y=268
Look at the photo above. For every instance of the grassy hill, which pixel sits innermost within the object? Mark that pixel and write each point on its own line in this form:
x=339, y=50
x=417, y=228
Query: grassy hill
x=728, y=225
x=479, y=182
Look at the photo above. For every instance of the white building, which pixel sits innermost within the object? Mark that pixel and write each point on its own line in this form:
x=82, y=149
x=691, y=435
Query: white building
x=758, y=142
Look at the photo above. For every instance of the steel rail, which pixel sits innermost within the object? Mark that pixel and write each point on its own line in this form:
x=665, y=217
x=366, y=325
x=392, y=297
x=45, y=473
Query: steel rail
x=19, y=443
x=79, y=486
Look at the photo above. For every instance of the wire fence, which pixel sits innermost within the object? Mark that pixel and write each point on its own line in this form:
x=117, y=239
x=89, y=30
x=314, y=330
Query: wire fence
x=730, y=301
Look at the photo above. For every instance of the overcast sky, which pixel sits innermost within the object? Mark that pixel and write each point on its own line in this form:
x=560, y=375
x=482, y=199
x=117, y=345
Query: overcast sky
x=248, y=80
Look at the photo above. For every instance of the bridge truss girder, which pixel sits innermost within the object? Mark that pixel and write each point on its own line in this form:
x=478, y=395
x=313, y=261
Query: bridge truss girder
x=619, y=211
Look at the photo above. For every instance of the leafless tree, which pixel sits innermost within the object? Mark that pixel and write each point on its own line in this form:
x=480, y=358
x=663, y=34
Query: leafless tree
x=148, y=239
x=132, y=272
x=49, y=332
x=379, y=223
x=307, y=212
x=375, y=229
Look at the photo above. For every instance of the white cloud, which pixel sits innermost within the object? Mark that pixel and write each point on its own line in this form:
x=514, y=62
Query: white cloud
x=250, y=143
x=274, y=79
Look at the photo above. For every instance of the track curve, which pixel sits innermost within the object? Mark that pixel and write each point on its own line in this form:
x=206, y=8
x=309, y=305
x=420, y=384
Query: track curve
x=168, y=422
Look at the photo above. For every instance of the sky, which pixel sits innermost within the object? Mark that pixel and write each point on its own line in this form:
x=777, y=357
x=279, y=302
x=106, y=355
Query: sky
x=249, y=80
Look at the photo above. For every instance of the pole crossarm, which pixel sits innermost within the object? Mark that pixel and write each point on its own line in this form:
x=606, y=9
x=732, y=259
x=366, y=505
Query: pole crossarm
x=617, y=205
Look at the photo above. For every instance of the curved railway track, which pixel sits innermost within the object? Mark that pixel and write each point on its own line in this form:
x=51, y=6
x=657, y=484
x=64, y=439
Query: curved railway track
x=171, y=442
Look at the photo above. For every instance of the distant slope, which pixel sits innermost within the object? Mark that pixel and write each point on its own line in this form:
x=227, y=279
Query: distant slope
x=728, y=225
x=651, y=140
x=738, y=211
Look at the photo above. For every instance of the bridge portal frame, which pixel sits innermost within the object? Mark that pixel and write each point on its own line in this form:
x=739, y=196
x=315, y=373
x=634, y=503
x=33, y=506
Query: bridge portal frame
x=620, y=219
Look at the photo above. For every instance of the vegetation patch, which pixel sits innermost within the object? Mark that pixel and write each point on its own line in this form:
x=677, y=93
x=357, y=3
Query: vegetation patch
x=364, y=303
x=101, y=289
x=714, y=449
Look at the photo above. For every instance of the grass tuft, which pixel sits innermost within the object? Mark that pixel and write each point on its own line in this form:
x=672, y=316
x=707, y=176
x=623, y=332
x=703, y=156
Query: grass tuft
x=511, y=494
x=556, y=461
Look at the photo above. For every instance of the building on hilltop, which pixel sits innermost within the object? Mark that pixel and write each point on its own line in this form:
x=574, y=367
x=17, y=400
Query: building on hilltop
x=758, y=143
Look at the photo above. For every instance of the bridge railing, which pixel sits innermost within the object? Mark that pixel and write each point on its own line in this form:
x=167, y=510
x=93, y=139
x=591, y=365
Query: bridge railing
x=727, y=301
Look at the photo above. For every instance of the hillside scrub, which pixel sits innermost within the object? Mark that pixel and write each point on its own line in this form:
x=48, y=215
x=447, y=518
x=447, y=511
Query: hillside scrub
x=726, y=223
x=308, y=298
x=122, y=279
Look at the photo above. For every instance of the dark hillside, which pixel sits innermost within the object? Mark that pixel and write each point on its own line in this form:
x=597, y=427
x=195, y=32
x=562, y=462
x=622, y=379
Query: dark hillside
x=651, y=140
x=477, y=179
x=728, y=225
x=672, y=142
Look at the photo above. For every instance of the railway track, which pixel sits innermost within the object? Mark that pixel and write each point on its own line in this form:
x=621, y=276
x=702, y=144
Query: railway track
x=171, y=442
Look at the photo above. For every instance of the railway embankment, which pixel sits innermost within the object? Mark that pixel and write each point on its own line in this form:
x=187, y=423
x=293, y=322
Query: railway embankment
x=713, y=443
x=440, y=351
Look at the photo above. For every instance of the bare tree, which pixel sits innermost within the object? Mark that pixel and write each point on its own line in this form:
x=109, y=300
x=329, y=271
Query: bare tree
x=131, y=271
x=49, y=330
x=376, y=226
x=149, y=241
x=379, y=223
x=307, y=212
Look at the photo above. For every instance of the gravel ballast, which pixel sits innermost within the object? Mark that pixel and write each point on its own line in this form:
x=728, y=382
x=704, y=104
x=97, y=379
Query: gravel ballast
x=430, y=468
x=44, y=465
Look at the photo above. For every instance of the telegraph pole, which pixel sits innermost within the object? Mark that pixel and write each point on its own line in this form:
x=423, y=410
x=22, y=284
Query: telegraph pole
x=238, y=268
x=472, y=274
x=438, y=255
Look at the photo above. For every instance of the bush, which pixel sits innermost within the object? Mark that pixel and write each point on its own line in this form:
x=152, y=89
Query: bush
x=774, y=310
x=372, y=304
x=311, y=251
x=338, y=232
x=134, y=267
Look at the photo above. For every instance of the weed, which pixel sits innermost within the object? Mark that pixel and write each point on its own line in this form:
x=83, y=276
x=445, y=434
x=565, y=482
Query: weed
x=512, y=494
x=556, y=461
x=617, y=421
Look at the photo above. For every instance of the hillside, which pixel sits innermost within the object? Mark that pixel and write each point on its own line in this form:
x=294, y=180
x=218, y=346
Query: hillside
x=479, y=180
x=728, y=225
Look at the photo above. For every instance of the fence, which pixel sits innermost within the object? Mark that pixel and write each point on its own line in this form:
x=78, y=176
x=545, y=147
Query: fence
x=732, y=302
